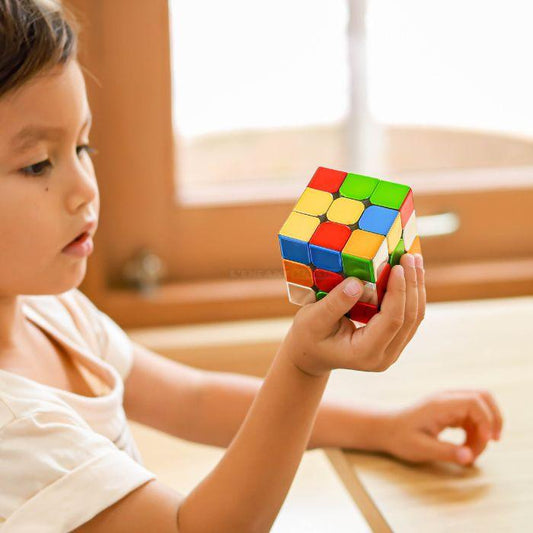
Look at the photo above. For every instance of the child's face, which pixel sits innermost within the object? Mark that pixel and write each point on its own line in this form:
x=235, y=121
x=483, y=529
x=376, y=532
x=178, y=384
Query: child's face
x=41, y=213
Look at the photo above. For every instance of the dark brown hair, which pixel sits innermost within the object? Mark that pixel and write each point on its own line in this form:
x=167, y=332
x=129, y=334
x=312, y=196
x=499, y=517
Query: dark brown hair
x=35, y=36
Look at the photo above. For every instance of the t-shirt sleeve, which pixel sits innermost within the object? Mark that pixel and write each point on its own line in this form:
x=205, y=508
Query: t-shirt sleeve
x=57, y=473
x=113, y=342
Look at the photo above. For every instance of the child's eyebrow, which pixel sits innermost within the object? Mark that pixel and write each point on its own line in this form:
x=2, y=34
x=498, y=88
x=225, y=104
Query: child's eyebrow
x=31, y=135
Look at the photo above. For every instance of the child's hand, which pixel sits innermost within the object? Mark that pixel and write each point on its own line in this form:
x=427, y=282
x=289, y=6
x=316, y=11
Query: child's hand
x=321, y=338
x=412, y=433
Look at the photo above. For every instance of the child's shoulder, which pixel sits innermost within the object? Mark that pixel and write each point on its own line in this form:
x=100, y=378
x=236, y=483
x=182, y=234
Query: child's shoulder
x=76, y=316
x=71, y=313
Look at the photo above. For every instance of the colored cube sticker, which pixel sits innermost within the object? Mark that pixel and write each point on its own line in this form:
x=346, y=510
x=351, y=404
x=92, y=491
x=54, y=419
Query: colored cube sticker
x=346, y=224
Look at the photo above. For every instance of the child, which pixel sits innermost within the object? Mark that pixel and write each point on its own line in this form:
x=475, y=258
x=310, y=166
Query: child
x=67, y=458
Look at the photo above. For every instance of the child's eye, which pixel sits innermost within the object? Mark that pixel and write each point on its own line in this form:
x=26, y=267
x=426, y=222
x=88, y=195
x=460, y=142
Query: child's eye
x=38, y=169
x=87, y=148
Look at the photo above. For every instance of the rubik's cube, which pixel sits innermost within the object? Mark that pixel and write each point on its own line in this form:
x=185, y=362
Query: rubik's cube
x=347, y=225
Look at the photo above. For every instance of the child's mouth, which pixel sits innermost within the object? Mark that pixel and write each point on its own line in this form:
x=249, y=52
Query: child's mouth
x=81, y=246
x=80, y=237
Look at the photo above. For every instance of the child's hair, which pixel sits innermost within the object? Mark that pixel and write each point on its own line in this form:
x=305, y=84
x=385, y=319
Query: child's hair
x=35, y=36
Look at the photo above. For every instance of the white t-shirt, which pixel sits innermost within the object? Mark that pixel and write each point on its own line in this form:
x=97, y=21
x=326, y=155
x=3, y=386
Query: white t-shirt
x=66, y=457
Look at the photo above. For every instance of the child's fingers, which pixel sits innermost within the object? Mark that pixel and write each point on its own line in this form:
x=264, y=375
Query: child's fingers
x=326, y=313
x=421, y=273
x=493, y=406
x=471, y=413
x=439, y=450
x=421, y=284
x=401, y=338
x=488, y=398
x=476, y=439
x=382, y=328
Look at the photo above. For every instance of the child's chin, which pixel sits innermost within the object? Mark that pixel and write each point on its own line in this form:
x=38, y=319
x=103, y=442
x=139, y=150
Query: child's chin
x=73, y=280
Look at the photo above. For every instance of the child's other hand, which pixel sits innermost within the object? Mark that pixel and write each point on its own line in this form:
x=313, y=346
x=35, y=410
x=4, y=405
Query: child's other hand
x=412, y=433
x=321, y=338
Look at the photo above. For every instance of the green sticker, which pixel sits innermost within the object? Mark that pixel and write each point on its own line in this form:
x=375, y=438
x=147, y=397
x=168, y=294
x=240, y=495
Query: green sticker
x=358, y=187
x=358, y=266
x=389, y=194
x=397, y=253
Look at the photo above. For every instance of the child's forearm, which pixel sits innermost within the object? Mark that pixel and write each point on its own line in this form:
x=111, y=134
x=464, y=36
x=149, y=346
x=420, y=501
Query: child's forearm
x=226, y=398
x=248, y=486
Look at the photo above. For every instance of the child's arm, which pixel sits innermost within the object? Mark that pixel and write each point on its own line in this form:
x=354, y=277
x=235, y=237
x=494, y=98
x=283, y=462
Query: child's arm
x=410, y=433
x=208, y=407
x=225, y=398
x=248, y=486
x=245, y=491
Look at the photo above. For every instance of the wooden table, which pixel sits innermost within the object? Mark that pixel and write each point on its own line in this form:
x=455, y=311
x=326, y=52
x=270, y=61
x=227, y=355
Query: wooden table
x=485, y=344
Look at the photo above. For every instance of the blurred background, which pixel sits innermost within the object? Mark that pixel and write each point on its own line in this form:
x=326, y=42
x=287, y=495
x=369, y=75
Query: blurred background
x=211, y=118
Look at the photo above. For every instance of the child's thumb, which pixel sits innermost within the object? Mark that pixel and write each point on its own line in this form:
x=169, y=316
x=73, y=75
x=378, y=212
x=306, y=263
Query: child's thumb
x=438, y=450
x=330, y=309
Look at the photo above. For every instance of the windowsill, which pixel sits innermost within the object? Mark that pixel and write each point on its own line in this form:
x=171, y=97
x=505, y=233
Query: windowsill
x=217, y=301
x=422, y=181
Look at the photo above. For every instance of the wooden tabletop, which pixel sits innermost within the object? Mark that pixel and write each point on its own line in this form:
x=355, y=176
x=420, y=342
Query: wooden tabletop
x=483, y=343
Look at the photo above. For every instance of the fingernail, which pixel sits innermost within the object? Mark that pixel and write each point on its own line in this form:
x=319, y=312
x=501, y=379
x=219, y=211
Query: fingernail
x=419, y=261
x=464, y=455
x=352, y=288
x=409, y=260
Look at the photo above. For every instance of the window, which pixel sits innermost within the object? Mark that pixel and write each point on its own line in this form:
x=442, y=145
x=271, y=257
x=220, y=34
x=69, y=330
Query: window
x=260, y=95
x=454, y=64
x=263, y=93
